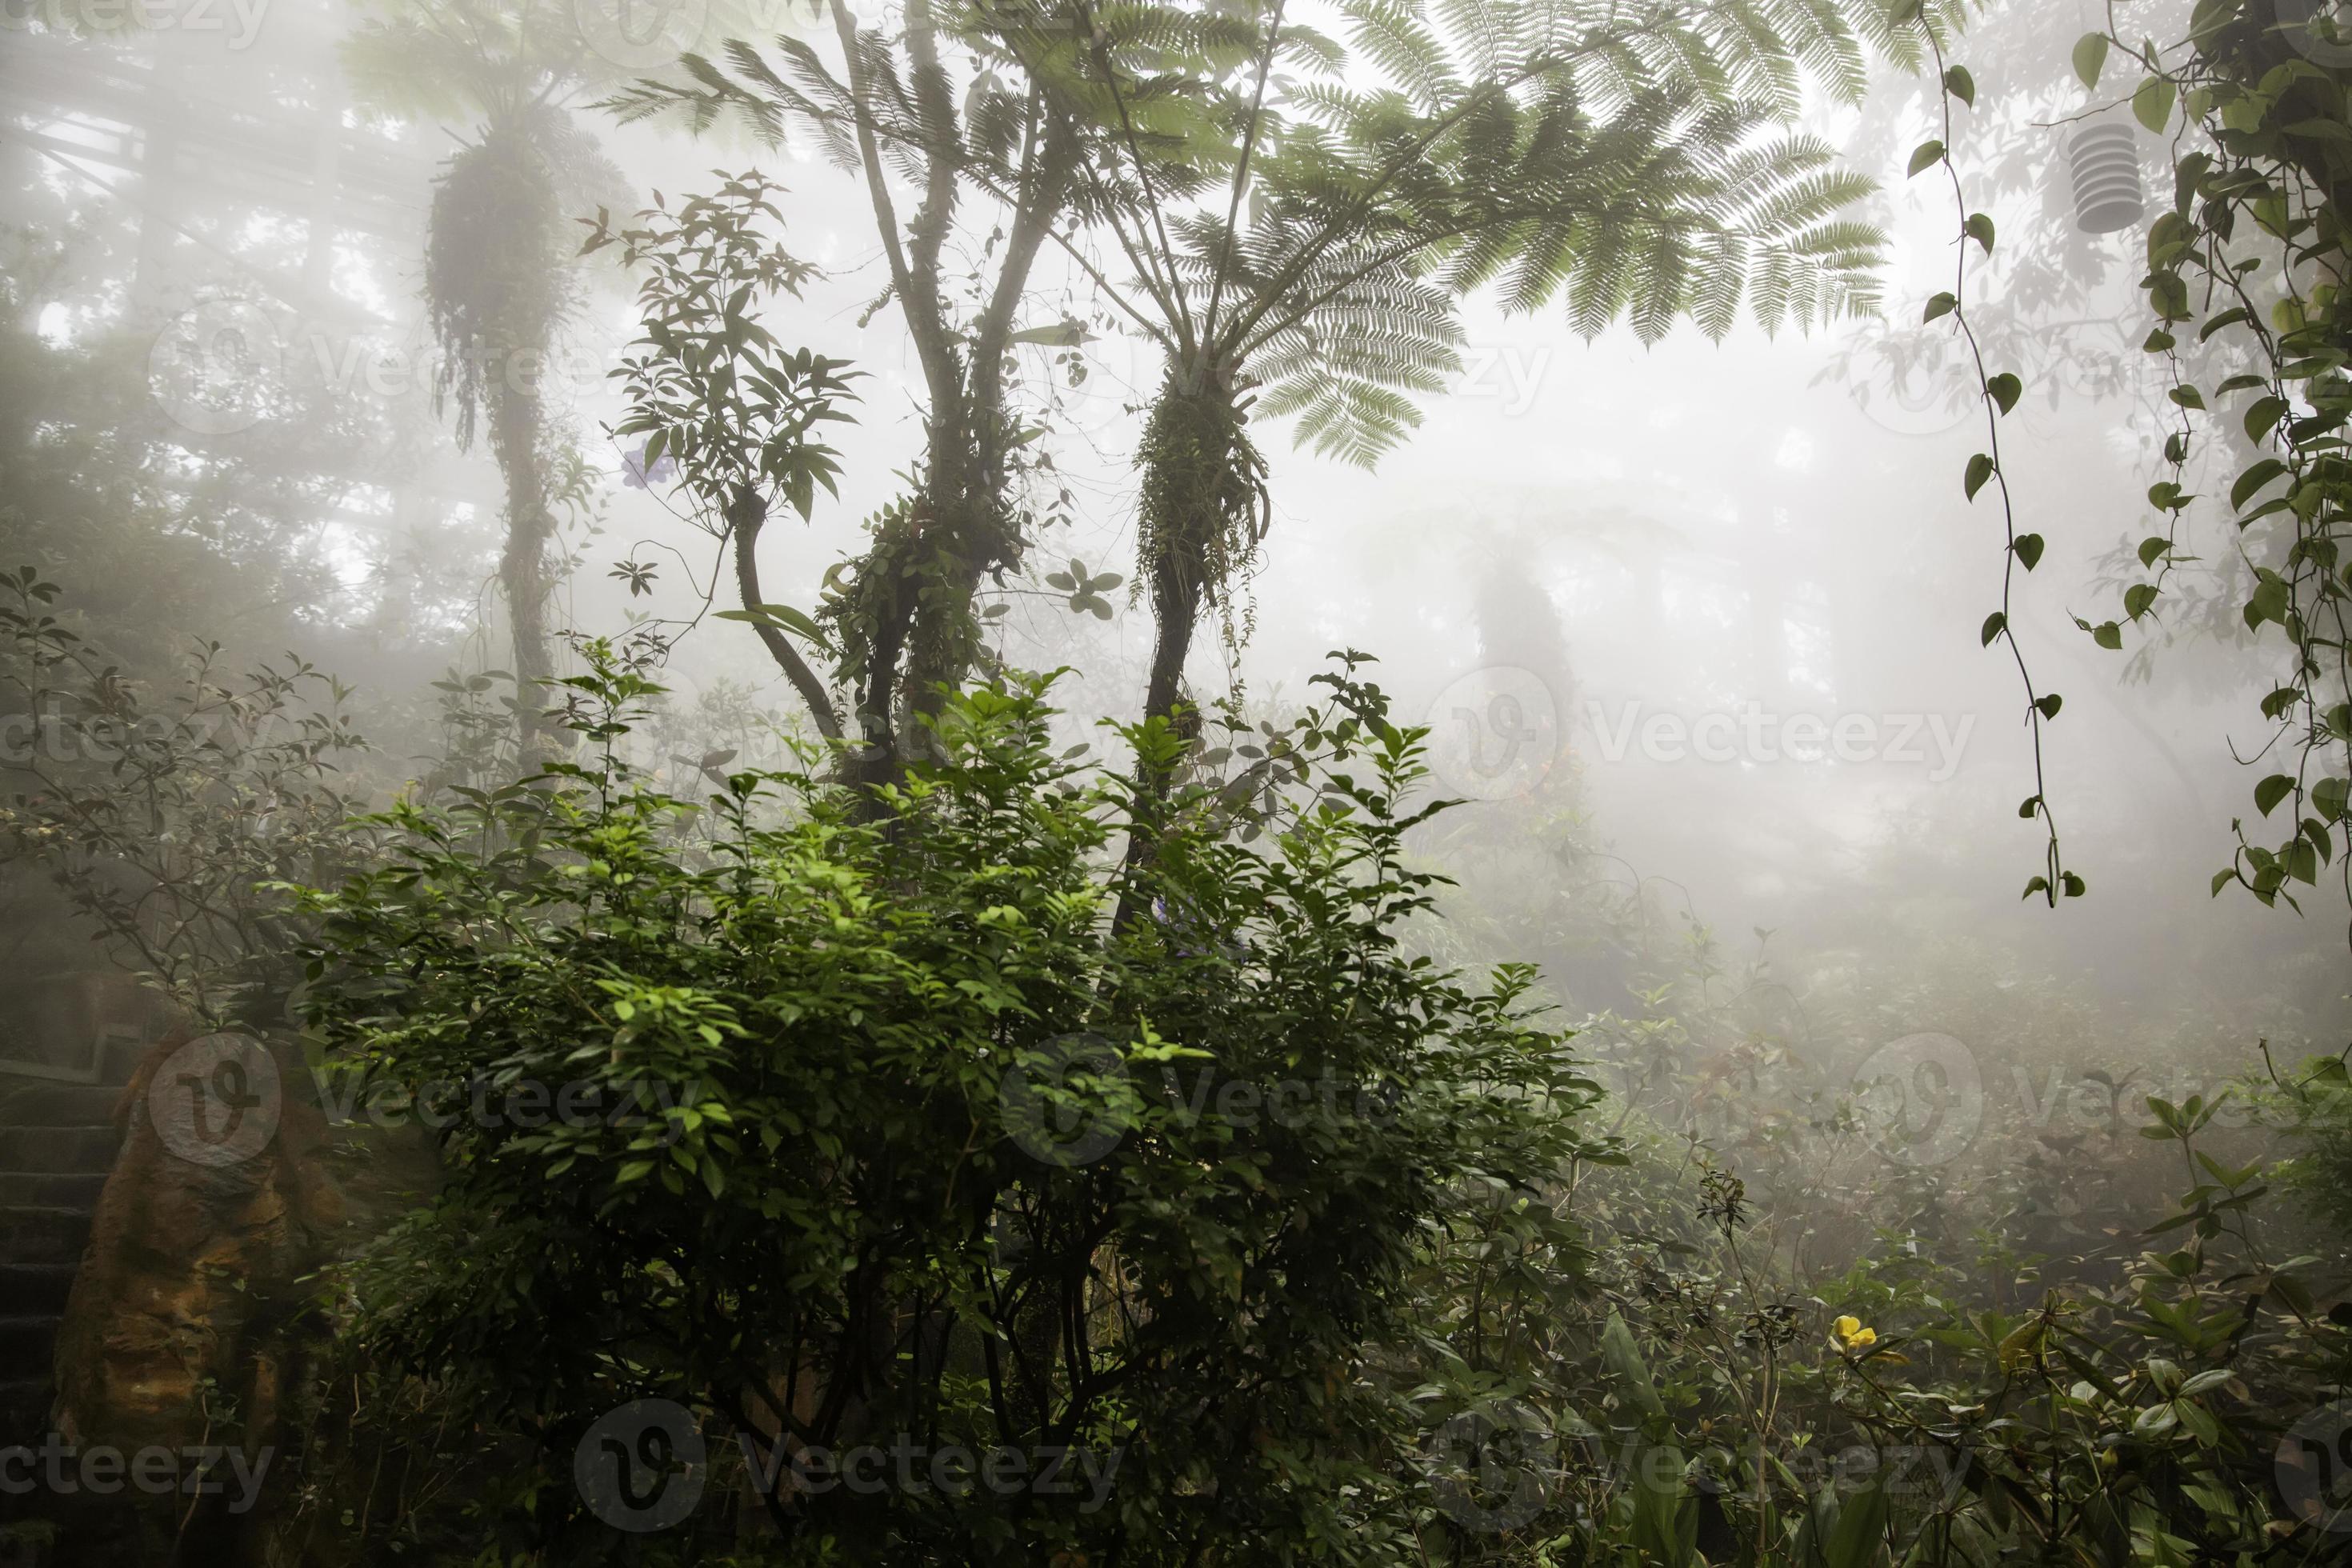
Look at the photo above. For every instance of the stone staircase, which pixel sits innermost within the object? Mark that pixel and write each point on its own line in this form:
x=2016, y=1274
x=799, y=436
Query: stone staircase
x=57, y=1142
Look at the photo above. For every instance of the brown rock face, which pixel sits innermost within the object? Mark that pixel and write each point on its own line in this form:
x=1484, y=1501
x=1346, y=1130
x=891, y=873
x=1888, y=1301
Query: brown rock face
x=179, y=1328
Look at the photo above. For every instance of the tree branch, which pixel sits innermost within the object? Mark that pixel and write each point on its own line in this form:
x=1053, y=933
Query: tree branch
x=745, y=518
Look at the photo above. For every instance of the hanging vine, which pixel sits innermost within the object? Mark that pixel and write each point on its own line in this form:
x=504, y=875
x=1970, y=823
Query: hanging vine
x=2252, y=255
x=2000, y=393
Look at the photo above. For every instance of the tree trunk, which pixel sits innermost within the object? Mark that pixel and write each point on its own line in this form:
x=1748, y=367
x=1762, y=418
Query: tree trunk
x=518, y=440
x=1201, y=517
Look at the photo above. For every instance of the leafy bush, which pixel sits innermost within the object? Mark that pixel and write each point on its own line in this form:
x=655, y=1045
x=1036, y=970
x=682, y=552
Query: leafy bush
x=925, y=1149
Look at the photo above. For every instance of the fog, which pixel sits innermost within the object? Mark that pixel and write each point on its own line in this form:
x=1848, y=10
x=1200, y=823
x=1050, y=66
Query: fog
x=1698, y=626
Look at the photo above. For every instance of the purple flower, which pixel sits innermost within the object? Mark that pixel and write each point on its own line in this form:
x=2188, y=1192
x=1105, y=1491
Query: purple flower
x=635, y=475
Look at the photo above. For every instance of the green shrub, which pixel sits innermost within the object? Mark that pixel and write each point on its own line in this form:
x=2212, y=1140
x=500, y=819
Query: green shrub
x=926, y=1154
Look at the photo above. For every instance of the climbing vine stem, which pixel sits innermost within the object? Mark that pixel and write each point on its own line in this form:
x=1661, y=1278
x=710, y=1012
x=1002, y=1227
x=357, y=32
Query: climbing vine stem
x=2000, y=393
x=2253, y=254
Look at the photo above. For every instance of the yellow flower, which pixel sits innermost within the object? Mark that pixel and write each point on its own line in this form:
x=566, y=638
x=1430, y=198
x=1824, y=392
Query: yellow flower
x=1849, y=1334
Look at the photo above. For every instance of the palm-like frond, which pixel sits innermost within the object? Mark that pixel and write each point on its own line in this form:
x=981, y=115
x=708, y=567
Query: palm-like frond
x=1623, y=160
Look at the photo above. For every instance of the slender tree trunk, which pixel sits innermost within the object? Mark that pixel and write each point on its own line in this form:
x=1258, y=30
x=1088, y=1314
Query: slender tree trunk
x=1203, y=503
x=747, y=514
x=518, y=442
x=1203, y=512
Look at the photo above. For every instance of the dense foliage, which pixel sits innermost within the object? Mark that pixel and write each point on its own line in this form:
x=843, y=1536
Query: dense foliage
x=937, y=1152
x=1142, y=1141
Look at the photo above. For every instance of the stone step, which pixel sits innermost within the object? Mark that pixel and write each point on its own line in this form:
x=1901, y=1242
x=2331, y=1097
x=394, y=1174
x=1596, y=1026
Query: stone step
x=35, y=1287
x=29, y=1234
x=58, y=1104
x=24, y=1412
x=46, y=1189
x=26, y=1343
x=60, y=1151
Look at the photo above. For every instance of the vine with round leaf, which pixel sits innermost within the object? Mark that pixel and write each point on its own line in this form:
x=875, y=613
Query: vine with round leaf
x=2000, y=393
x=2252, y=252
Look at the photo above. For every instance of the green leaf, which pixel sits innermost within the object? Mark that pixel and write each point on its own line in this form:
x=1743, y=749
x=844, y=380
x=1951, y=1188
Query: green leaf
x=2249, y=483
x=2108, y=635
x=1926, y=155
x=2153, y=102
x=2153, y=547
x=1980, y=470
x=2029, y=550
x=2264, y=417
x=2223, y=322
x=782, y=617
x=2074, y=886
x=2330, y=797
x=1995, y=623
x=2032, y=804
x=2090, y=57
x=1624, y=1361
x=2038, y=885
x=1980, y=228
x=1861, y=1521
x=2138, y=598
x=2272, y=790
x=1062, y=335
x=2050, y=704
x=1941, y=305
x=1961, y=85
x=2006, y=389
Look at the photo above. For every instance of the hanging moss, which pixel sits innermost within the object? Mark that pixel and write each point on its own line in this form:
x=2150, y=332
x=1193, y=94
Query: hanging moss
x=1204, y=507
